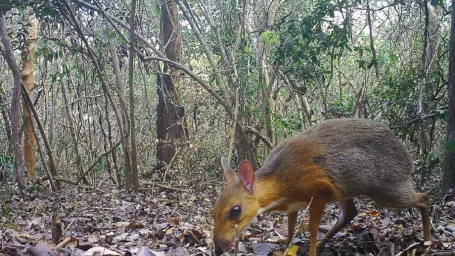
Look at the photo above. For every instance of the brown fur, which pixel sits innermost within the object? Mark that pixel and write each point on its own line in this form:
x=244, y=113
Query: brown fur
x=332, y=162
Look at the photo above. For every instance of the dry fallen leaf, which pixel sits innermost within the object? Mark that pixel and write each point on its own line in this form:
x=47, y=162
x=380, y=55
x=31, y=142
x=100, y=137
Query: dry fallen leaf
x=292, y=251
x=374, y=213
x=174, y=220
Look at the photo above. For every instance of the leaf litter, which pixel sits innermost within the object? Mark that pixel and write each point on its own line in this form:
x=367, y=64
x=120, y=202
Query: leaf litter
x=179, y=222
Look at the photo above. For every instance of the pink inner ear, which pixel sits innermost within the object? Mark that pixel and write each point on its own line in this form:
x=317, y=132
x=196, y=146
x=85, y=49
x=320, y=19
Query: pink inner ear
x=246, y=174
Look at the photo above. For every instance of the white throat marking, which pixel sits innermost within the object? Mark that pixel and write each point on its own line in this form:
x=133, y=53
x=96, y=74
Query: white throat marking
x=270, y=206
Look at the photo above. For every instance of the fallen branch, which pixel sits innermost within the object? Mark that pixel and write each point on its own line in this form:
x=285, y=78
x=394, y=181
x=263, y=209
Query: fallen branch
x=160, y=186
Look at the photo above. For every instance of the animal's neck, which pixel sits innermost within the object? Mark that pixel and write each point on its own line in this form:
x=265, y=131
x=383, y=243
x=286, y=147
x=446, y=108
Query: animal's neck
x=275, y=193
x=270, y=195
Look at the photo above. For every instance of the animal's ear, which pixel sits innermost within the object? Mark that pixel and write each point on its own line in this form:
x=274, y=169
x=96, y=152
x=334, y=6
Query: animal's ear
x=246, y=174
x=228, y=172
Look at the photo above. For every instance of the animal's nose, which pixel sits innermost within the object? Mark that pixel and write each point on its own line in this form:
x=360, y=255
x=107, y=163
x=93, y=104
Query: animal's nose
x=218, y=250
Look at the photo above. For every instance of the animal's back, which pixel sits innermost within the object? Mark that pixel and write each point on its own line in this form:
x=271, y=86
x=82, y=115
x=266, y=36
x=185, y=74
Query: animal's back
x=360, y=156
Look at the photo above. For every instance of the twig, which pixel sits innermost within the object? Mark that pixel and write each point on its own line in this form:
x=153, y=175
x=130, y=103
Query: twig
x=194, y=237
x=170, y=164
x=63, y=243
x=301, y=222
x=234, y=125
x=68, y=227
x=236, y=248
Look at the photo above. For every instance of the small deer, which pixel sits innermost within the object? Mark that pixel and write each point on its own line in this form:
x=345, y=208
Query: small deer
x=334, y=161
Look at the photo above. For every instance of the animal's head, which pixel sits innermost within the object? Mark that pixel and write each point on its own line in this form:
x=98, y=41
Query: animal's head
x=237, y=205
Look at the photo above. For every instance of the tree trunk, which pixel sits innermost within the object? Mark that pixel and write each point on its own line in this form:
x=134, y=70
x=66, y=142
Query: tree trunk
x=124, y=125
x=449, y=159
x=15, y=106
x=133, y=179
x=170, y=119
x=28, y=76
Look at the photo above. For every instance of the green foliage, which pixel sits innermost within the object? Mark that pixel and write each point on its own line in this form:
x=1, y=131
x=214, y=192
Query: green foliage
x=6, y=210
x=45, y=10
x=310, y=39
x=392, y=95
x=102, y=165
x=342, y=108
x=286, y=124
x=433, y=160
x=270, y=37
x=5, y=162
x=5, y=159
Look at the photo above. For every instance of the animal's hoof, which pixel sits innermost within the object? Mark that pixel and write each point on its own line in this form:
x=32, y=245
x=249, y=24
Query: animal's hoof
x=320, y=244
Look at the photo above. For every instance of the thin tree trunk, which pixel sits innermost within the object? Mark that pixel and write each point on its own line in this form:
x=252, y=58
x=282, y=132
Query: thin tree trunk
x=124, y=126
x=373, y=50
x=133, y=180
x=448, y=180
x=28, y=76
x=15, y=106
x=52, y=110
x=109, y=137
x=48, y=173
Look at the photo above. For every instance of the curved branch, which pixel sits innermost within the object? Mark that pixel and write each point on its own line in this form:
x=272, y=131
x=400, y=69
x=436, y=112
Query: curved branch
x=252, y=130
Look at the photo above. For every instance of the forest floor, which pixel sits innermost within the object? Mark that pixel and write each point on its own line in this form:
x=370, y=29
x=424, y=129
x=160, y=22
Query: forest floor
x=177, y=220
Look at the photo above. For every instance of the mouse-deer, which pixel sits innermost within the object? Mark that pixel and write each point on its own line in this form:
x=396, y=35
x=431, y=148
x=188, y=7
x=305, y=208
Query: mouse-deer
x=334, y=161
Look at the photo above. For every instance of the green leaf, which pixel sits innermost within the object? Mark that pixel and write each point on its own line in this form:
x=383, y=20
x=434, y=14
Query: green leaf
x=432, y=154
x=270, y=37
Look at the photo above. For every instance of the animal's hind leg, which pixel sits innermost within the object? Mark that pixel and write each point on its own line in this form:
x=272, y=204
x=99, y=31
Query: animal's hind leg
x=406, y=197
x=422, y=203
x=348, y=213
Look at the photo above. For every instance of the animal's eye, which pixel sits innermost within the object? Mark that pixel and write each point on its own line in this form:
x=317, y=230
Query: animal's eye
x=235, y=213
